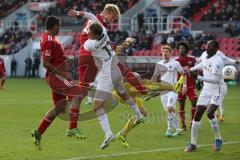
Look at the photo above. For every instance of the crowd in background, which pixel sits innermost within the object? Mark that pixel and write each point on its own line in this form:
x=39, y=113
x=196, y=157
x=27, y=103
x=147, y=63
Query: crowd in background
x=8, y=6
x=223, y=13
x=193, y=7
x=92, y=6
x=228, y=16
x=144, y=41
x=12, y=40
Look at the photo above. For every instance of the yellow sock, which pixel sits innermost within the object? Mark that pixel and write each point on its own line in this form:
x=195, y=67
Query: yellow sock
x=128, y=126
x=159, y=86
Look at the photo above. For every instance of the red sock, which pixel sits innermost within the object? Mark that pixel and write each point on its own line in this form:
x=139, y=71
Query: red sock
x=132, y=79
x=74, y=114
x=182, y=116
x=193, y=110
x=2, y=83
x=43, y=125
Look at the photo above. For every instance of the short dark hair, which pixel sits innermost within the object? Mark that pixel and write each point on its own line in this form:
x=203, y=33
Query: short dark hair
x=96, y=28
x=183, y=44
x=214, y=43
x=51, y=21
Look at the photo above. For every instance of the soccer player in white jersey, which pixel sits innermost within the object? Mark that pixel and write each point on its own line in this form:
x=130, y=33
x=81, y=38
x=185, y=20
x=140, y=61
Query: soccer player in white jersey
x=212, y=94
x=109, y=77
x=226, y=61
x=167, y=69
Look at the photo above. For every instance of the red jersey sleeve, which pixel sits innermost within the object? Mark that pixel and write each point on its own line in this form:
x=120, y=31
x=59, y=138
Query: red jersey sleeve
x=47, y=50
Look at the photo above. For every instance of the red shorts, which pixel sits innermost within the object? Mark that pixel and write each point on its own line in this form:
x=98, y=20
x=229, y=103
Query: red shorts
x=63, y=88
x=2, y=74
x=191, y=93
x=87, y=70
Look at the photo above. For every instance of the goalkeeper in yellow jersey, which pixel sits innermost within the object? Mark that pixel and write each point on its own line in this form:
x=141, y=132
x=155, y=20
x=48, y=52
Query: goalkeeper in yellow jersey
x=153, y=90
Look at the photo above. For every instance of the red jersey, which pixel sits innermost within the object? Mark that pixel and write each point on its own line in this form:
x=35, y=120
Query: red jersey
x=2, y=67
x=84, y=36
x=52, y=50
x=187, y=62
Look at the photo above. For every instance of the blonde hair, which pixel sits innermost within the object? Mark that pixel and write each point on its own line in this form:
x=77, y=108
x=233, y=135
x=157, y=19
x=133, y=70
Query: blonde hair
x=167, y=47
x=112, y=8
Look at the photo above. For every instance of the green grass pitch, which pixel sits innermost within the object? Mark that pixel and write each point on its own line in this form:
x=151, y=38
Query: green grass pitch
x=25, y=101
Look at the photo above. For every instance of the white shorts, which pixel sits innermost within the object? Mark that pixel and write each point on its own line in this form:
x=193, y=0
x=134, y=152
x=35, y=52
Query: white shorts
x=109, y=80
x=206, y=98
x=106, y=84
x=168, y=99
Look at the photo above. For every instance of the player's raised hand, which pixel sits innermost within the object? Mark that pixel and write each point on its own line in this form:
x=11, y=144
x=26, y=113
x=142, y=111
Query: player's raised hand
x=72, y=13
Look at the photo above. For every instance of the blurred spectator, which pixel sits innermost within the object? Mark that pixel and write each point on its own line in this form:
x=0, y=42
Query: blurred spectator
x=158, y=38
x=170, y=39
x=28, y=67
x=13, y=67
x=197, y=51
x=36, y=64
x=140, y=21
x=185, y=32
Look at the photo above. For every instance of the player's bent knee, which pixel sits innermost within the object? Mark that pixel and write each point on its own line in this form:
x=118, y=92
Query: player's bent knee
x=210, y=115
x=98, y=104
x=124, y=96
x=170, y=109
x=199, y=112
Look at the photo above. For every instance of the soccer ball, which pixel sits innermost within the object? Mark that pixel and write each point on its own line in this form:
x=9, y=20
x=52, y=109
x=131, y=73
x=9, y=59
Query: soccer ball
x=229, y=72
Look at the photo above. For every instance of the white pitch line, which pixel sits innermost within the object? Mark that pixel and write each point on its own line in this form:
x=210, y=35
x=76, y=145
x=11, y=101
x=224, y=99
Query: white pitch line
x=47, y=101
x=139, y=152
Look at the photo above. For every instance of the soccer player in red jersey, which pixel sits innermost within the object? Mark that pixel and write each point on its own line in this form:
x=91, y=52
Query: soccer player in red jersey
x=86, y=66
x=57, y=77
x=2, y=73
x=189, y=89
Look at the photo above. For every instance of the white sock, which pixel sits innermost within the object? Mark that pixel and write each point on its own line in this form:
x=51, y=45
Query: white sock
x=221, y=109
x=194, y=131
x=170, y=121
x=131, y=103
x=215, y=128
x=89, y=99
x=175, y=121
x=103, y=120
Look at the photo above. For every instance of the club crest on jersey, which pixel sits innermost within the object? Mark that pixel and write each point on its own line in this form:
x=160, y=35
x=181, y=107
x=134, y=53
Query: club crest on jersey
x=47, y=53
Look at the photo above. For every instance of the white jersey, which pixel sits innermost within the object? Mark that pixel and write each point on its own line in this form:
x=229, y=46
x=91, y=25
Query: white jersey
x=226, y=60
x=212, y=67
x=168, y=71
x=102, y=52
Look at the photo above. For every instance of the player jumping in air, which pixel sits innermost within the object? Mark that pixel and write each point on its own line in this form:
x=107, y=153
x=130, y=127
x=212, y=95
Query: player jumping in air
x=110, y=77
x=87, y=70
x=57, y=77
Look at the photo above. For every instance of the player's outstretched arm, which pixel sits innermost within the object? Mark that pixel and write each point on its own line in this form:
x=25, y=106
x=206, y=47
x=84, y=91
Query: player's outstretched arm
x=196, y=67
x=74, y=13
